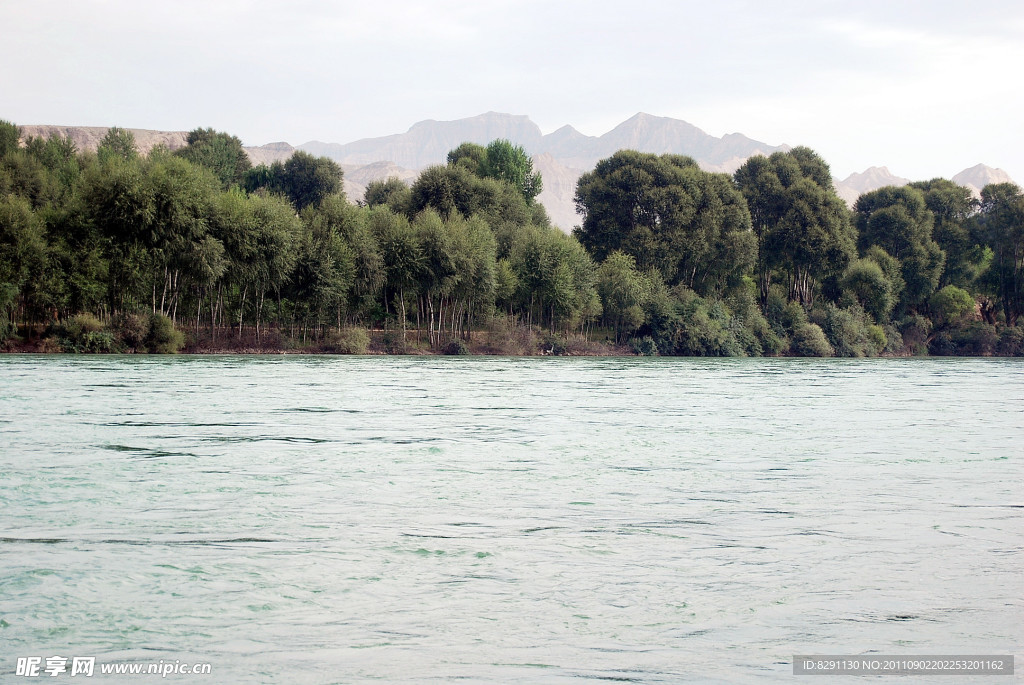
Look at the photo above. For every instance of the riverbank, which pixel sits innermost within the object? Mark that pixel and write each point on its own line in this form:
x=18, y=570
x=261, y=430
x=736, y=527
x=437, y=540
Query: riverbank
x=85, y=334
x=515, y=341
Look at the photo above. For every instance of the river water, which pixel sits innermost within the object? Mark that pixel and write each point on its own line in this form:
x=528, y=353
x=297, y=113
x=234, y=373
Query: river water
x=425, y=519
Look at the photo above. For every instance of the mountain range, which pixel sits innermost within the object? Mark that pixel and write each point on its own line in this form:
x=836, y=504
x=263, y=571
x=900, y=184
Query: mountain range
x=561, y=157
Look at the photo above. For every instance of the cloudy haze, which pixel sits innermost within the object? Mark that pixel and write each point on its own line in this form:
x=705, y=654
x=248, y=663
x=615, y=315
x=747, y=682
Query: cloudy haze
x=927, y=88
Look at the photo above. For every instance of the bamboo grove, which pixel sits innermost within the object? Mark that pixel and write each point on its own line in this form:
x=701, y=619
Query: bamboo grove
x=116, y=251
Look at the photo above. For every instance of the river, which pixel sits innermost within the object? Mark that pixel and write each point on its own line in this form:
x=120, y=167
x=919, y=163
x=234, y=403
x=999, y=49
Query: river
x=537, y=520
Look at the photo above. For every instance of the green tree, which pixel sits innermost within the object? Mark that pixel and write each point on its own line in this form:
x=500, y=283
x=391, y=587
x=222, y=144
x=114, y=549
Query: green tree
x=304, y=179
x=336, y=216
x=9, y=137
x=693, y=227
x=471, y=157
x=1000, y=225
x=118, y=142
x=950, y=306
x=221, y=153
x=510, y=163
x=802, y=227
x=899, y=221
x=308, y=180
x=393, y=192
x=867, y=284
x=402, y=257
x=624, y=293
x=953, y=207
x=22, y=261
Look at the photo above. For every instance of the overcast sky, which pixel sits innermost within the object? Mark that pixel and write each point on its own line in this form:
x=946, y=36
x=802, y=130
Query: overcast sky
x=927, y=88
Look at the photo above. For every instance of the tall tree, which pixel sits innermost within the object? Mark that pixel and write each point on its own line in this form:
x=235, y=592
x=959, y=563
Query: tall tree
x=510, y=163
x=898, y=220
x=1000, y=225
x=953, y=206
x=802, y=227
x=118, y=142
x=692, y=226
x=221, y=153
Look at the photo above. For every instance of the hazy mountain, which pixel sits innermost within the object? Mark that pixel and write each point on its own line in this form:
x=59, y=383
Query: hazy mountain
x=561, y=156
x=428, y=142
x=269, y=153
x=979, y=176
x=975, y=178
x=873, y=178
x=358, y=177
x=559, y=189
x=89, y=137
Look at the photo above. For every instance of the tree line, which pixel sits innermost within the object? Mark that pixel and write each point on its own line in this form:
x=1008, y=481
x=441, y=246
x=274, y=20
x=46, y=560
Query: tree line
x=115, y=250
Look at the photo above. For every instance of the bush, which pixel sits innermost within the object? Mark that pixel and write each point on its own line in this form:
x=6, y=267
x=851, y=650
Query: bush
x=951, y=306
x=877, y=337
x=455, y=347
x=893, y=340
x=82, y=324
x=644, y=347
x=942, y=345
x=347, y=341
x=849, y=332
x=508, y=336
x=808, y=340
x=84, y=333
x=554, y=345
x=393, y=342
x=163, y=337
x=1011, y=342
x=131, y=330
x=579, y=345
x=978, y=339
x=915, y=330
x=705, y=328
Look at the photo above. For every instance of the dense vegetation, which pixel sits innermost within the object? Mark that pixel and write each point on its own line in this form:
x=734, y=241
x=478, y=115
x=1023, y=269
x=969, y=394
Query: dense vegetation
x=116, y=251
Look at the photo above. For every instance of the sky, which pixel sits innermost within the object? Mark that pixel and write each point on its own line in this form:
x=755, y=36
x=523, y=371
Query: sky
x=926, y=88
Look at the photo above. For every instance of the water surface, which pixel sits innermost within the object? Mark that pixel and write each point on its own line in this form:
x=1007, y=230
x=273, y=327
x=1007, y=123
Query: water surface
x=346, y=519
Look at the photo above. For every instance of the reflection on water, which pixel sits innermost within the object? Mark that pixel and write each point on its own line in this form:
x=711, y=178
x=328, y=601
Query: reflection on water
x=535, y=520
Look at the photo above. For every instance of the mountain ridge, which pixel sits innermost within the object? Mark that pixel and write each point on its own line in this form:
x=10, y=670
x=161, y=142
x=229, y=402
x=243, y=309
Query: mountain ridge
x=561, y=156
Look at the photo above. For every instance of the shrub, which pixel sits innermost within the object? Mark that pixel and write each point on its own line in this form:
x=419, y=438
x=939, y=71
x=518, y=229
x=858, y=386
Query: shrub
x=915, y=330
x=644, y=347
x=508, y=336
x=704, y=329
x=942, y=345
x=163, y=337
x=347, y=341
x=393, y=342
x=848, y=330
x=951, y=306
x=893, y=340
x=131, y=330
x=879, y=340
x=455, y=347
x=1011, y=342
x=554, y=345
x=978, y=339
x=81, y=325
x=579, y=345
x=808, y=340
x=84, y=333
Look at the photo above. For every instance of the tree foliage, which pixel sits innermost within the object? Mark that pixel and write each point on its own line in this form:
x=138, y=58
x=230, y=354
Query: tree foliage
x=221, y=153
